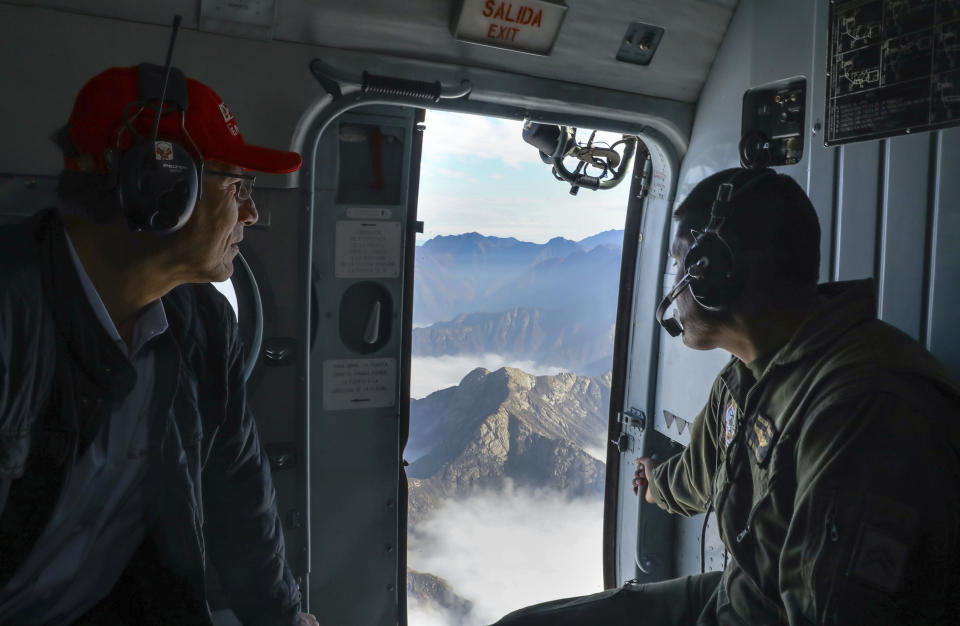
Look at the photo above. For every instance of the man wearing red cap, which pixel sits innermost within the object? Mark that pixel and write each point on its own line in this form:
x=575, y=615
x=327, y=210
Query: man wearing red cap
x=129, y=462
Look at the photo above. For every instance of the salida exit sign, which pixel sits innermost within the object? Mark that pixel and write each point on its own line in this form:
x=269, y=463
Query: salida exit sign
x=527, y=25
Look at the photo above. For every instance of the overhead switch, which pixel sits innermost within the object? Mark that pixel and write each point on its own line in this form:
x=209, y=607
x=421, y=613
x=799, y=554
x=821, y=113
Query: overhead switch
x=639, y=43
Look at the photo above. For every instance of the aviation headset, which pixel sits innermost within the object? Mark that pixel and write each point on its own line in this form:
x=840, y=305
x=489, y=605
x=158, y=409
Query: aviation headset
x=158, y=182
x=711, y=266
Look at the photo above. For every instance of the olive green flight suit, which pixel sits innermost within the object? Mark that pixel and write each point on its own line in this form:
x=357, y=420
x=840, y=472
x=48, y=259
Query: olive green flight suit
x=834, y=468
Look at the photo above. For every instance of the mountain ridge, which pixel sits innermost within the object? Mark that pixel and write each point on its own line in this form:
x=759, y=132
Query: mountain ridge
x=507, y=425
x=575, y=339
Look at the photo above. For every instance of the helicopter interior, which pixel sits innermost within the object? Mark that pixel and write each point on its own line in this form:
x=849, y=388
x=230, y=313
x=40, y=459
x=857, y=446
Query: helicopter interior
x=325, y=283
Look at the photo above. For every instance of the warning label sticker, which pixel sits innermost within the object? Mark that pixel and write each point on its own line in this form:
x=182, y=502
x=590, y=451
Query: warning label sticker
x=368, y=249
x=359, y=384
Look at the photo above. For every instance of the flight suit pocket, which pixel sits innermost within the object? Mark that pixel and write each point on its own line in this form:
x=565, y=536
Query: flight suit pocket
x=858, y=565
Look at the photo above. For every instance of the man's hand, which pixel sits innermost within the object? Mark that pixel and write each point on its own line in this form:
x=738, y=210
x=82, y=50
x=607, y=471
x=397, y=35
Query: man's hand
x=645, y=466
x=307, y=619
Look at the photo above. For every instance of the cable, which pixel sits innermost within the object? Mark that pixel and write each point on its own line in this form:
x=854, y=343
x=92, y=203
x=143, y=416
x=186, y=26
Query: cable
x=703, y=539
x=254, y=351
x=706, y=517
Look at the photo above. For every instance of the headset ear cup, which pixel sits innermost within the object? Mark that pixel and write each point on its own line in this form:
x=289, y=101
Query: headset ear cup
x=719, y=283
x=158, y=184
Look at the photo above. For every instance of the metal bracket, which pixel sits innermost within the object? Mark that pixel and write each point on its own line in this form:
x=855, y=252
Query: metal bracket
x=280, y=350
x=282, y=455
x=622, y=442
x=635, y=418
x=294, y=519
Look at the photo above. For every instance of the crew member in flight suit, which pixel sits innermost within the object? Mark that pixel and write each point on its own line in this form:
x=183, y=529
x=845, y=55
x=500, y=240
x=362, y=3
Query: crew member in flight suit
x=829, y=447
x=129, y=461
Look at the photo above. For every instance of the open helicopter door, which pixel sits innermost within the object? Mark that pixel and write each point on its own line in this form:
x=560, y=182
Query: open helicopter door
x=629, y=555
x=357, y=238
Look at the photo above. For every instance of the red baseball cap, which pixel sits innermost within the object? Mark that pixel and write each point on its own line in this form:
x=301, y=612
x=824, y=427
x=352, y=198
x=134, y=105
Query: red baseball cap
x=96, y=125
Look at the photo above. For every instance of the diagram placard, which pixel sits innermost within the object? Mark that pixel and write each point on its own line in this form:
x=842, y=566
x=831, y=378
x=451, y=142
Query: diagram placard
x=893, y=68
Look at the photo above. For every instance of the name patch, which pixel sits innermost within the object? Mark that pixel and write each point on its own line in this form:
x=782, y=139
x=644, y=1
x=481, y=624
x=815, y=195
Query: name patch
x=760, y=438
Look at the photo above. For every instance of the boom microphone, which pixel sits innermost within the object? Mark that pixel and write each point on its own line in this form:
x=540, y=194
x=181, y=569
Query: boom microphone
x=673, y=325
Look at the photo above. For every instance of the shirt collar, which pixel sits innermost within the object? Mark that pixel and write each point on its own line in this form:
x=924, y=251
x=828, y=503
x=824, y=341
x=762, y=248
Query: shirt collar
x=151, y=320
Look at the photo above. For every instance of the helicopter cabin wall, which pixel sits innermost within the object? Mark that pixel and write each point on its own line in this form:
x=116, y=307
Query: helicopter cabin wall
x=889, y=211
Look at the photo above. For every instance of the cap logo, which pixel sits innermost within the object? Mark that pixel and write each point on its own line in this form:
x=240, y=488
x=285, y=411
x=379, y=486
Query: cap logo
x=162, y=150
x=229, y=119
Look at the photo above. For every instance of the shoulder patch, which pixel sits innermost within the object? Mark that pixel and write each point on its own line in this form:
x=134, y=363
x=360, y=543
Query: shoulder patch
x=761, y=436
x=879, y=559
x=730, y=422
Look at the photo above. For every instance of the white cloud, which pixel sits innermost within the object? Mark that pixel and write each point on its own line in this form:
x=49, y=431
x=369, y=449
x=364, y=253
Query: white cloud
x=429, y=374
x=503, y=551
x=477, y=174
x=599, y=454
x=451, y=134
x=463, y=135
x=449, y=173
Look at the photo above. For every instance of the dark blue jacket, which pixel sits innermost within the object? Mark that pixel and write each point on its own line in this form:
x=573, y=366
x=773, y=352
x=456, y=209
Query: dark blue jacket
x=212, y=494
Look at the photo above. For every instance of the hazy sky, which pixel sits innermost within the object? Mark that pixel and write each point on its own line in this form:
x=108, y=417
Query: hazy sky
x=477, y=174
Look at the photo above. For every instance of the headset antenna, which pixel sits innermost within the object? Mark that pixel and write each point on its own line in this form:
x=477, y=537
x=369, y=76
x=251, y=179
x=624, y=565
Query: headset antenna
x=166, y=77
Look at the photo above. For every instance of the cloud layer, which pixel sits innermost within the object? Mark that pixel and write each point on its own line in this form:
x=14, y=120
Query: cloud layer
x=504, y=551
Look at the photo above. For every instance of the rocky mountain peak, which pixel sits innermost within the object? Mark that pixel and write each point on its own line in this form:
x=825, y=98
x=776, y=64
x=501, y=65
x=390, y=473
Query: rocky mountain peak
x=508, y=425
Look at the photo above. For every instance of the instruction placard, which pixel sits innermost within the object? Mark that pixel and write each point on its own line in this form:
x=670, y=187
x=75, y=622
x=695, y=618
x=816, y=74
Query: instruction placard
x=359, y=384
x=368, y=249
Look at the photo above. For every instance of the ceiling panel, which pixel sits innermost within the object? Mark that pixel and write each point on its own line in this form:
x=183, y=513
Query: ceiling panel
x=585, y=51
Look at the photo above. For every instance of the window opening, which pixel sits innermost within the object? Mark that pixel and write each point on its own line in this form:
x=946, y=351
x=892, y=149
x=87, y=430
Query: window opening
x=515, y=299
x=228, y=291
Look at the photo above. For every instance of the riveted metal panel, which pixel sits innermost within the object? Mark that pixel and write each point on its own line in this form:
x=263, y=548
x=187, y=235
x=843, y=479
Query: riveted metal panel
x=858, y=199
x=906, y=178
x=355, y=453
x=943, y=292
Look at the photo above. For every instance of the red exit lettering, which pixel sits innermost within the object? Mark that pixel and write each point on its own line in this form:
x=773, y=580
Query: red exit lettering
x=521, y=14
x=506, y=33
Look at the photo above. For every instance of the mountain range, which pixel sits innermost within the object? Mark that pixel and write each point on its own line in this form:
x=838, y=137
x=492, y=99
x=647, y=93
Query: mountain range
x=473, y=273
x=554, y=303
x=576, y=338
